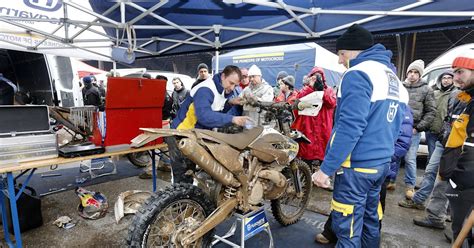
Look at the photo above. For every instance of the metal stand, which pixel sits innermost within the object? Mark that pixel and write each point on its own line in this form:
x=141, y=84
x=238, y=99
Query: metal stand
x=251, y=224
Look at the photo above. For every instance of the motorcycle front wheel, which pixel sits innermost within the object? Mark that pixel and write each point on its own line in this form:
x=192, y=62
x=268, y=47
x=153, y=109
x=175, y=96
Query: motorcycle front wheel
x=170, y=215
x=289, y=208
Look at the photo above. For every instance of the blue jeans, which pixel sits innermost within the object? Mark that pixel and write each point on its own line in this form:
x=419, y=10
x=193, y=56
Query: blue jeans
x=355, y=219
x=430, y=175
x=431, y=140
x=410, y=161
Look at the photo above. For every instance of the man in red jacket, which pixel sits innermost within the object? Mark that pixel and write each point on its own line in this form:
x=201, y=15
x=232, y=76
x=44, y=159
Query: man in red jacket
x=316, y=128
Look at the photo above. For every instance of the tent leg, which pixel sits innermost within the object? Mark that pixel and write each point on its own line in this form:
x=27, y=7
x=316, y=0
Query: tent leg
x=217, y=63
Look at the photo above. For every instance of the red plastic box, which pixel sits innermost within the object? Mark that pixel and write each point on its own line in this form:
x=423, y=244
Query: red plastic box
x=131, y=103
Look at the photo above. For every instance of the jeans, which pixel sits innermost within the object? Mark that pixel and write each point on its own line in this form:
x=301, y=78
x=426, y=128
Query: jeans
x=431, y=140
x=438, y=204
x=430, y=175
x=410, y=161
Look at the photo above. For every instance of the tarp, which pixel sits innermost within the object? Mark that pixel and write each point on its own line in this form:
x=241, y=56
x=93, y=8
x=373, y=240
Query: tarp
x=84, y=69
x=204, y=25
x=158, y=28
x=297, y=60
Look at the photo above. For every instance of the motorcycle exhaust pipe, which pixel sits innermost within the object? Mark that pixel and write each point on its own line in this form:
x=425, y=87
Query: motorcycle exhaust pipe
x=192, y=150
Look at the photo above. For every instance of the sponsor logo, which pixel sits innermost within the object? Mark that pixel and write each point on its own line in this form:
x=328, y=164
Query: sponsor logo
x=45, y=5
x=392, y=111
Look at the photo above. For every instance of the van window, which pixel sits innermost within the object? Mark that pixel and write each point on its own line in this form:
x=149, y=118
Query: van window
x=65, y=71
x=433, y=75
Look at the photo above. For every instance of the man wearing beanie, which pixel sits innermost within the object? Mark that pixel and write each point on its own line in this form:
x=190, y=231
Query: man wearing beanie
x=371, y=105
x=459, y=147
x=423, y=106
x=287, y=90
x=258, y=89
x=280, y=76
x=442, y=94
x=203, y=74
x=90, y=93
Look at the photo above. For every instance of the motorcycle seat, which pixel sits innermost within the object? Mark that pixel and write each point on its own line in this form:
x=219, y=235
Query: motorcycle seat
x=239, y=141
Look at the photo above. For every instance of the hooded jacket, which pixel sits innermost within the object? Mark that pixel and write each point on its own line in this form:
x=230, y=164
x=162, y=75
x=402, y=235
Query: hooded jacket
x=402, y=145
x=441, y=101
x=371, y=103
x=316, y=128
x=422, y=104
x=458, y=156
x=202, y=108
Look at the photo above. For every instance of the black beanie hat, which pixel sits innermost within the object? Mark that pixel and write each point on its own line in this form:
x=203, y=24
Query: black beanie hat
x=355, y=38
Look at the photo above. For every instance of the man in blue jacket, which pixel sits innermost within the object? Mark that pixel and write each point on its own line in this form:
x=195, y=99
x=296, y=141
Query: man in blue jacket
x=210, y=104
x=371, y=105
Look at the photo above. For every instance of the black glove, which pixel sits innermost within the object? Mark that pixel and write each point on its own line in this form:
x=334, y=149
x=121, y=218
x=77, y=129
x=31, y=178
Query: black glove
x=319, y=84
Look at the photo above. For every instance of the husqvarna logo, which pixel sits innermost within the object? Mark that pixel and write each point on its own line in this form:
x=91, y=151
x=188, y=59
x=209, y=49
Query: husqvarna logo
x=392, y=111
x=45, y=5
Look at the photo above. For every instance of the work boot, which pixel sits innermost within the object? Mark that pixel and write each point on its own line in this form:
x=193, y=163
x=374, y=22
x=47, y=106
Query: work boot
x=409, y=192
x=321, y=239
x=410, y=204
x=391, y=186
x=426, y=222
x=146, y=175
x=166, y=167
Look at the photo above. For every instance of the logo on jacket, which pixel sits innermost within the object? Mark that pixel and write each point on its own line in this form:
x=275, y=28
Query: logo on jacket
x=392, y=111
x=45, y=5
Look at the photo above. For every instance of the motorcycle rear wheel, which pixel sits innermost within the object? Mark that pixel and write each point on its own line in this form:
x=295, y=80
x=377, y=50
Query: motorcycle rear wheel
x=289, y=208
x=162, y=217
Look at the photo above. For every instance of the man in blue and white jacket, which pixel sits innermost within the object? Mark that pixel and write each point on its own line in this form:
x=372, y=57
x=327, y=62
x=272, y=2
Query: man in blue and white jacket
x=370, y=109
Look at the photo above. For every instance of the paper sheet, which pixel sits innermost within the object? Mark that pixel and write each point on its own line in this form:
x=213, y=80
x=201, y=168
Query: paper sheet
x=315, y=99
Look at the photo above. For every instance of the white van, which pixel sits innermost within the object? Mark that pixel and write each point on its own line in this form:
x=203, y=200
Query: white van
x=443, y=62
x=46, y=79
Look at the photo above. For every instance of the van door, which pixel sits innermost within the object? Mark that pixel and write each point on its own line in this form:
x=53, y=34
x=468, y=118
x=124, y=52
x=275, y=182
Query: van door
x=64, y=84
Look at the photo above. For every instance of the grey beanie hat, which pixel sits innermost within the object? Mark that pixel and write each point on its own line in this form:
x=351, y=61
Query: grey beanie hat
x=281, y=75
x=289, y=80
x=201, y=66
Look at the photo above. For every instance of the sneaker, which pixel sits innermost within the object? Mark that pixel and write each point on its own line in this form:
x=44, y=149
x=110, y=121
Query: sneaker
x=391, y=186
x=426, y=222
x=321, y=239
x=409, y=193
x=410, y=204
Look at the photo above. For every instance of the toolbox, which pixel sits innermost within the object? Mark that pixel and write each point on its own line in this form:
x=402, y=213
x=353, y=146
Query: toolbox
x=131, y=104
x=25, y=134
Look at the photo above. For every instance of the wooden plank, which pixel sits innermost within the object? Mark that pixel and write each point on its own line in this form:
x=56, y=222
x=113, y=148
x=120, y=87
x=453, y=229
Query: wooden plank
x=61, y=160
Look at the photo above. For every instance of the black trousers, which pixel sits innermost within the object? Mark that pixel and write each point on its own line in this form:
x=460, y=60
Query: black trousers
x=461, y=204
x=328, y=232
x=179, y=163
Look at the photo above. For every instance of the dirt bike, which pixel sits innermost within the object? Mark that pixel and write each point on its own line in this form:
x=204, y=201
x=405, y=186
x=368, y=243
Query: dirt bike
x=237, y=172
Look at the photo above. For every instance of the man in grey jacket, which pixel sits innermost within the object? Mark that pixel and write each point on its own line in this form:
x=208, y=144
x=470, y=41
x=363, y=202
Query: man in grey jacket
x=423, y=106
x=442, y=94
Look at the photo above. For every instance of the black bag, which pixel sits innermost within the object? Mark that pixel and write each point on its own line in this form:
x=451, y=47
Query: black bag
x=29, y=210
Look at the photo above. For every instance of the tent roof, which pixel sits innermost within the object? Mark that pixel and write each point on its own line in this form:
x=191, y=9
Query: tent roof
x=164, y=27
x=175, y=27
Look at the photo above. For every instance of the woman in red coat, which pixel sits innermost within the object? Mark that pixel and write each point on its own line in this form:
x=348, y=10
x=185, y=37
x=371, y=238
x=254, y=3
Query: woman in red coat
x=316, y=128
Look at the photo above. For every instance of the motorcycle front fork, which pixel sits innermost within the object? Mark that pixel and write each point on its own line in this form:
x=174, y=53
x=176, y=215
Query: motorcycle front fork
x=296, y=178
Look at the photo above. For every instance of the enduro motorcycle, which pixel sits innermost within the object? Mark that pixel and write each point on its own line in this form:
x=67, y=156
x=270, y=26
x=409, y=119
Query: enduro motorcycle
x=237, y=172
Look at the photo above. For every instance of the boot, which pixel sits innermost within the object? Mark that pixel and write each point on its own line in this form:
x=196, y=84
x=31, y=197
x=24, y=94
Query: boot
x=426, y=222
x=391, y=186
x=410, y=204
x=409, y=192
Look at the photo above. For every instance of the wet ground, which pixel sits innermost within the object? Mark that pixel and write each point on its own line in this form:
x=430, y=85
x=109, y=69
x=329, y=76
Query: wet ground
x=398, y=229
